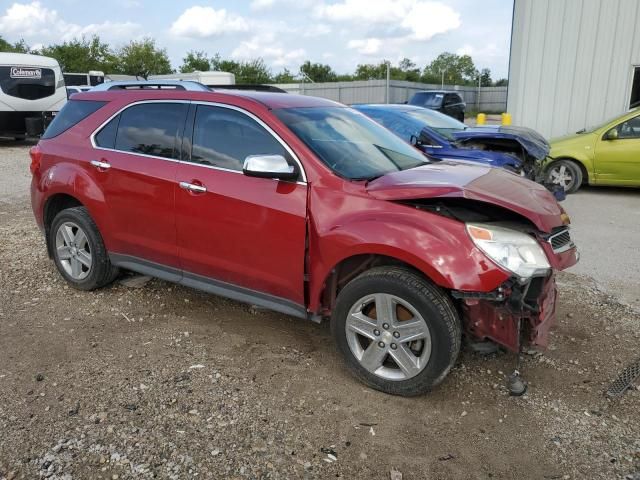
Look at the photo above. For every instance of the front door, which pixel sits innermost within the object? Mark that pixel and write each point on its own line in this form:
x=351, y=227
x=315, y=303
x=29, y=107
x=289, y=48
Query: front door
x=617, y=161
x=135, y=166
x=237, y=232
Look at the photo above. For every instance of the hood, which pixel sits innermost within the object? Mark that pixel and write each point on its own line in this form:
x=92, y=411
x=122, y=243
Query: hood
x=530, y=140
x=474, y=182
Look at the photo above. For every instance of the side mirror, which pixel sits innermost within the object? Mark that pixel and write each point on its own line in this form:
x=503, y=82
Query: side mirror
x=269, y=166
x=611, y=134
x=414, y=140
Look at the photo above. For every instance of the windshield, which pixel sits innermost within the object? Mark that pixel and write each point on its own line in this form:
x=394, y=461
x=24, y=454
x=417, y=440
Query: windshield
x=428, y=99
x=349, y=143
x=440, y=122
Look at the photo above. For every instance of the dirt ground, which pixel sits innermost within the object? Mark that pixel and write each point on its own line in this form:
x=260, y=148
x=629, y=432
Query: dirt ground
x=166, y=382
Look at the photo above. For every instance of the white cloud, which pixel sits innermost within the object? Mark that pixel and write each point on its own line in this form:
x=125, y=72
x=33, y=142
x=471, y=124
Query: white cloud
x=368, y=46
x=267, y=47
x=28, y=20
x=203, y=22
x=269, y=4
x=420, y=19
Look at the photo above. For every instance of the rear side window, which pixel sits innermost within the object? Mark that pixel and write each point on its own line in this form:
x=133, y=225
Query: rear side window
x=150, y=129
x=106, y=138
x=224, y=138
x=73, y=112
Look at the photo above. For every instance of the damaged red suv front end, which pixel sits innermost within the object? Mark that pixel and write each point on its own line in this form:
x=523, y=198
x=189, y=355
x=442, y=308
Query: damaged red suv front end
x=517, y=226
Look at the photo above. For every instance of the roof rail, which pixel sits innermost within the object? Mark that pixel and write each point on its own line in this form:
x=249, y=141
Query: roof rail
x=257, y=87
x=187, y=85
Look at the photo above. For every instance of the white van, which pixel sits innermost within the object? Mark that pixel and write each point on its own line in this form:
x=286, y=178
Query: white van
x=210, y=79
x=32, y=91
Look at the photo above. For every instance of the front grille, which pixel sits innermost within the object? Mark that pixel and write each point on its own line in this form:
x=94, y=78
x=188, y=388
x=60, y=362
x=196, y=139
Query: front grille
x=560, y=241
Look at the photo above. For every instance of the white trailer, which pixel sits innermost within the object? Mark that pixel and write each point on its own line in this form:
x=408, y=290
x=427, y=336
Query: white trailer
x=32, y=91
x=210, y=79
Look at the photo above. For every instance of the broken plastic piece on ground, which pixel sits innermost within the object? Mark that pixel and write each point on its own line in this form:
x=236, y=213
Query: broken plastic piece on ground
x=625, y=380
x=517, y=387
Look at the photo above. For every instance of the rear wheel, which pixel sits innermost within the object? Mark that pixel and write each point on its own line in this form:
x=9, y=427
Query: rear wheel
x=79, y=251
x=397, y=332
x=565, y=173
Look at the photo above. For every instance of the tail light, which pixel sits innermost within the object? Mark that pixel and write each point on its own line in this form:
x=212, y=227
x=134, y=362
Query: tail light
x=36, y=157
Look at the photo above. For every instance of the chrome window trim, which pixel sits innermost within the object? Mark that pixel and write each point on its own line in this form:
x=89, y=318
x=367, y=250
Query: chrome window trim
x=198, y=102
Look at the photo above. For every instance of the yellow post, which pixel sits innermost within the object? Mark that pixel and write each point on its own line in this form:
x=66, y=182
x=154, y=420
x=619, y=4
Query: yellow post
x=481, y=119
x=506, y=119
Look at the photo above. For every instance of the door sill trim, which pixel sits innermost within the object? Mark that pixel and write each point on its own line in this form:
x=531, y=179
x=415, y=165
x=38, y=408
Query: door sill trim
x=209, y=285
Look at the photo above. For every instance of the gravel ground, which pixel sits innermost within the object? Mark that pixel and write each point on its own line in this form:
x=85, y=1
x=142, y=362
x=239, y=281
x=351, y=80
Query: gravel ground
x=166, y=382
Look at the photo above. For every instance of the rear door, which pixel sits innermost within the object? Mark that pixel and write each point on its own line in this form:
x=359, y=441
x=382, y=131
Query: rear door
x=134, y=165
x=239, y=233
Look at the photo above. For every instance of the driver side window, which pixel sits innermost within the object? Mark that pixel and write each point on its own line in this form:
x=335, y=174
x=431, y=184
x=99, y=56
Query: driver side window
x=630, y=128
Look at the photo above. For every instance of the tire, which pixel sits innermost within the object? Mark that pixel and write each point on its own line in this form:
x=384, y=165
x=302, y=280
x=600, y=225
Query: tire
x=430, y=319
x=78, y=250
x=565, y=173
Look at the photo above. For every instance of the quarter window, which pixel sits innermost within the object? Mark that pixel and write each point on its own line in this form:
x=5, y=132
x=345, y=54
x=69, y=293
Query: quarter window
x=151, y=129
x=223, y=138
x=106, y=138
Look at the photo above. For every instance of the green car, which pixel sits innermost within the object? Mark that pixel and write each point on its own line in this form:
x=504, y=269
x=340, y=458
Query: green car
x=608, y=154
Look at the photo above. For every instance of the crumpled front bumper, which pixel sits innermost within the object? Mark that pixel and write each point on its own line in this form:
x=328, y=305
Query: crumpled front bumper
x=517, y=314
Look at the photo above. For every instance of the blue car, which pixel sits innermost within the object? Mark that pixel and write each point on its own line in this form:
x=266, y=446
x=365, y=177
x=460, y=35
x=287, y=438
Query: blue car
x=441, y=137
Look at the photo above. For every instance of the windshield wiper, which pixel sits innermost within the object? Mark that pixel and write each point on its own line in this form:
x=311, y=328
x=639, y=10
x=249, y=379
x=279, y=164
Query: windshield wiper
x=582, y=131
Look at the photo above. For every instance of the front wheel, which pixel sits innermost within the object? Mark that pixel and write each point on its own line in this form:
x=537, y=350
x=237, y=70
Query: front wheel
x=565, y=173
x=397, y=332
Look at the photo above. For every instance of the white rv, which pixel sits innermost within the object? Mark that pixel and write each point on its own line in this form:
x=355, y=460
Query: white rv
x=210, y=79
x=32, y=91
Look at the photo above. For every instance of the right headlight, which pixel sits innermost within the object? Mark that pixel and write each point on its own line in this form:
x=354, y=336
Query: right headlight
x=515, y=251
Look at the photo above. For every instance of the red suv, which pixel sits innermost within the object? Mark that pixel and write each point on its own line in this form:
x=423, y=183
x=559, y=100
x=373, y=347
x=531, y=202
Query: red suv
x=306, y=207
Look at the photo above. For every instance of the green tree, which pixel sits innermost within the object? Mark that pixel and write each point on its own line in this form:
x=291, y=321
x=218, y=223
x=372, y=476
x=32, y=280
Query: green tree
x=485, y=78
x=252, y=71
x=284, y=76
x=143, y=58
x=82, y=55
x=410, y=70
x=370, y=71
x=318, y=72
x=195, y=61
x=458, y=69
x=18, y=47
x=503, y=82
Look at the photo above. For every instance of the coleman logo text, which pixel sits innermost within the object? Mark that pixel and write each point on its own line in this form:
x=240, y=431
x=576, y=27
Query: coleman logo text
x=19, y=72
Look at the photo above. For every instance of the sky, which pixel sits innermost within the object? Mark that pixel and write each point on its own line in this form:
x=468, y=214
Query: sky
x=285, y=33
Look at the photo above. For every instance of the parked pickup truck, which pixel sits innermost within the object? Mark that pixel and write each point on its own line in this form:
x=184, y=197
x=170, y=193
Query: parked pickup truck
x=307, y=207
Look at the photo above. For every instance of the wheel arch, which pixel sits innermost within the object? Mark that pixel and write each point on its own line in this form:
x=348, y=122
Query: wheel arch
x=353, y=265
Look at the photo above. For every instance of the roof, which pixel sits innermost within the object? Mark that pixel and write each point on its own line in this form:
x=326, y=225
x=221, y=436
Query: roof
x=270, y=100
x=401, y=107
x=282, y=100
x=26, y=59
x=438, y=91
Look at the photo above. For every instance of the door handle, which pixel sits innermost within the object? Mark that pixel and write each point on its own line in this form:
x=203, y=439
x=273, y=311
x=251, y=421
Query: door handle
x=192, y=187
x=100, y=165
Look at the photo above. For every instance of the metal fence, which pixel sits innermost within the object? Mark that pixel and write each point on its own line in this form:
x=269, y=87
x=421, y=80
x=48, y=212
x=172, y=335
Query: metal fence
x=487, y=99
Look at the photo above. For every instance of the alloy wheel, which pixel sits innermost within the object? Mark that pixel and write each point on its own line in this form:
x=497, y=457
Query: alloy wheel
x=388, y=336
x=73, y=250
x=561, y=175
